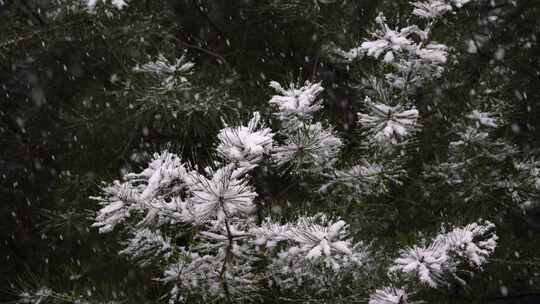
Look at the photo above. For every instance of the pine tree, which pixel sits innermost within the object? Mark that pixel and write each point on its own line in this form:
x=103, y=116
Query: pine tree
x=317, y=162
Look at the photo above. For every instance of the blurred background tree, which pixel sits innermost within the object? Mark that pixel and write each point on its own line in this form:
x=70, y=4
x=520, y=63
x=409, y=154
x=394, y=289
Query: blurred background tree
x=73, y=113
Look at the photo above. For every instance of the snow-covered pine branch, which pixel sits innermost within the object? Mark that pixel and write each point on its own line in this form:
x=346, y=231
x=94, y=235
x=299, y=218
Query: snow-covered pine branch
x=245, y=144
x=388, y=125
x=389, y=295
x=225, y=193
x=312, y=249
x=146, y=193
x=410, y=51
x=231, y=254
x=146, y=245
x=296, y=102
x=308, y=145
x=439, y=261
x=172, y=75
x=219, y=203
x=434, y=9
x=118, y=4
x=169, y=89
x=366, y=178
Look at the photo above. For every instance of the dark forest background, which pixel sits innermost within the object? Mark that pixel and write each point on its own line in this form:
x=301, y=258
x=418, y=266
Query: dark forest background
x=67, y=123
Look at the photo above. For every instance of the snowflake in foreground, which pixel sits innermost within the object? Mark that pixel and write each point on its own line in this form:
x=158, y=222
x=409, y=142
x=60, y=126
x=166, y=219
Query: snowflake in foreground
x=245, y=144
x=386, y=124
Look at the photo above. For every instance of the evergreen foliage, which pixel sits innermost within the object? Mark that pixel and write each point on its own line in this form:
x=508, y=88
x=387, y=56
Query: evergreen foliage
x=271, y=151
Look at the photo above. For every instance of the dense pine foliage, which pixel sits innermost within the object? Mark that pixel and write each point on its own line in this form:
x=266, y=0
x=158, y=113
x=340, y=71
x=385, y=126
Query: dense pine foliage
x=274, y=151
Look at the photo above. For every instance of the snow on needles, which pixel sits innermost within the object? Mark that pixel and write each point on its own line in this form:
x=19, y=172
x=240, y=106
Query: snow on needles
x=387, y=124
x=245, y=144
x=296, y=101
x=225, y=194
x=431, y=264
x=388, y=295
x=387, y=42
x=171, y=74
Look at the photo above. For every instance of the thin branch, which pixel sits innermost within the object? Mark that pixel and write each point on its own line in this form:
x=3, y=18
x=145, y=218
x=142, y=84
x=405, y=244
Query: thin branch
x=227, y=255
x=210, y=21
x=213, y=54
